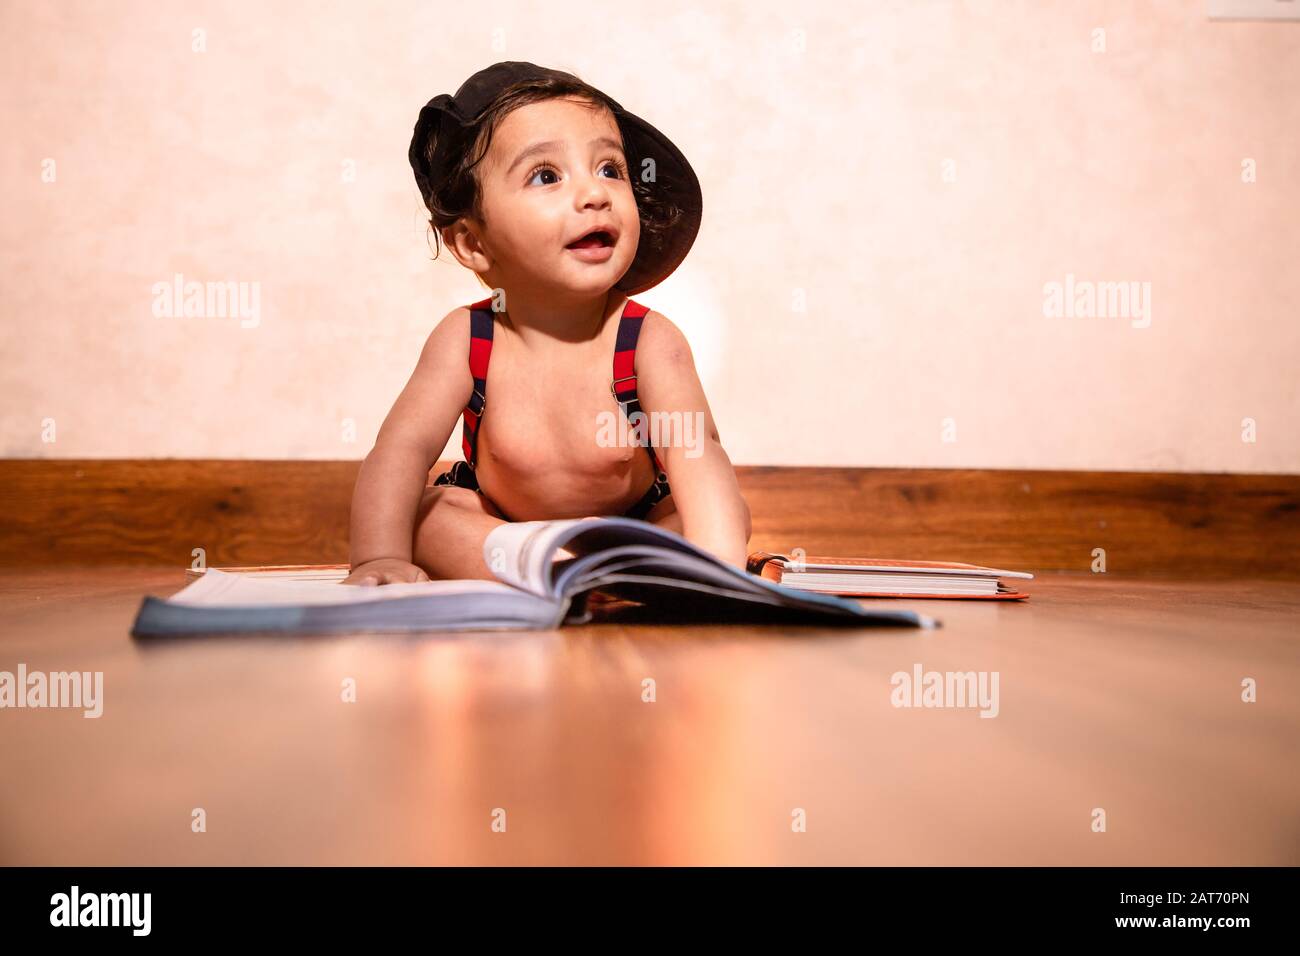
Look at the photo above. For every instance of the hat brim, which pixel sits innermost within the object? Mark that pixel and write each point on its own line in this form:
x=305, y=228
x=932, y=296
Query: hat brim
x=677, y=185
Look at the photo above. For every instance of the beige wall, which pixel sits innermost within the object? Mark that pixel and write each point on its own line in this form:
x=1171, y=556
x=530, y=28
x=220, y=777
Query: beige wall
x=915, y=172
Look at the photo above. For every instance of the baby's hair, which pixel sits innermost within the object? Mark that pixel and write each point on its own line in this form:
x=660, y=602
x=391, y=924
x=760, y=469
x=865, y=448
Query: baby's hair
x=459, y=193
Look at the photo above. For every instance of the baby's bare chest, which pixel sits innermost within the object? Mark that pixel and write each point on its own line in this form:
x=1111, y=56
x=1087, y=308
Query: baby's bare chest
x=551, y=417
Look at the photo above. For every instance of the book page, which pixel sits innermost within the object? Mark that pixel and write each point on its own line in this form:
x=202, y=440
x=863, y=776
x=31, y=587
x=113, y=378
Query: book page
x=521, y=553
x=219, y=589
x=814, y=562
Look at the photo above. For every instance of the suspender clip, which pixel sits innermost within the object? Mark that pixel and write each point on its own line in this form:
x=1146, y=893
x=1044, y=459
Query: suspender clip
x=613, y=386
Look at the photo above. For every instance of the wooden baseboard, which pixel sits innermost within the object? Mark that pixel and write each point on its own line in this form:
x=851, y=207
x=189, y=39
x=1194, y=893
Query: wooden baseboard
x=157, y=511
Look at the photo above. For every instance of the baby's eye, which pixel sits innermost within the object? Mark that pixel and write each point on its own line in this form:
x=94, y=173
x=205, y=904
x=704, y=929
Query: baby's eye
x=538, y=171
x=616, y=166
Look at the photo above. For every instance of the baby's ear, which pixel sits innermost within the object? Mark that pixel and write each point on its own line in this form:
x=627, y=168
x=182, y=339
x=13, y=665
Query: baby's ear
x=453, y=236
x=448, y=234
x=464, y=245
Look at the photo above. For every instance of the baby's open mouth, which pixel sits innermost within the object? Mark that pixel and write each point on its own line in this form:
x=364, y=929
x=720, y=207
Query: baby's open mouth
x=592, y=240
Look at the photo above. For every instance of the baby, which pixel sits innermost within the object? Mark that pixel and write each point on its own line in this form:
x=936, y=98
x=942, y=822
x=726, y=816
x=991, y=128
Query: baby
x=564, y=205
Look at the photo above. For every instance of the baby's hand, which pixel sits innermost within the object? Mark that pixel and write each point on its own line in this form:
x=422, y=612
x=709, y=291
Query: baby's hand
x=385, y=571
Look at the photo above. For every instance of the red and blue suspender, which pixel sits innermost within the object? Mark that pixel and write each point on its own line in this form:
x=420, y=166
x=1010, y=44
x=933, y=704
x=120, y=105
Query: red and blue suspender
x=624, y=385
x=480, y=351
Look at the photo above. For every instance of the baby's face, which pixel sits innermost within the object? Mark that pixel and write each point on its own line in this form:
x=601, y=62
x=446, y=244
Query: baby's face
x=556, y=171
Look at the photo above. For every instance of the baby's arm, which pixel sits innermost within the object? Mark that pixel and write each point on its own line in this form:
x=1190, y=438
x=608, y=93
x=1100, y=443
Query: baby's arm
x=703, y=481
x=395, y=473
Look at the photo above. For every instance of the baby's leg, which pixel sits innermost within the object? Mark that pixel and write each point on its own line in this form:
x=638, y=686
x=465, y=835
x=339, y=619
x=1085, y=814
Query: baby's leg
x=452, y=523
x=450, y=526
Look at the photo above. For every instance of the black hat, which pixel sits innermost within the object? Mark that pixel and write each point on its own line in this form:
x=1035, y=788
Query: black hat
x=674, y=182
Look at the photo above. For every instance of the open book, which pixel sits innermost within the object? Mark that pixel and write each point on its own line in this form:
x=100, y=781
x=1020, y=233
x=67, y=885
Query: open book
x=883, y=577
x=546, y=572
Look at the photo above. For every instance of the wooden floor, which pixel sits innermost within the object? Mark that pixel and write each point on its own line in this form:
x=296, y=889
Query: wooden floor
x=1116, y=694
